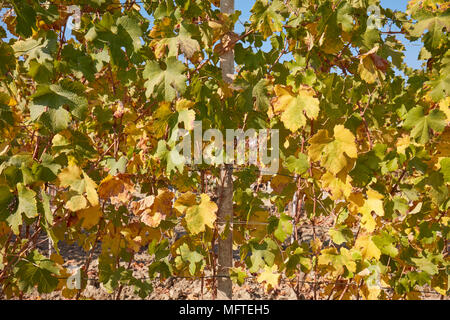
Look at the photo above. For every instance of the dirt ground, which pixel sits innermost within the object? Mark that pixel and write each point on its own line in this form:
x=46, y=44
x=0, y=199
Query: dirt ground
x=173, y=288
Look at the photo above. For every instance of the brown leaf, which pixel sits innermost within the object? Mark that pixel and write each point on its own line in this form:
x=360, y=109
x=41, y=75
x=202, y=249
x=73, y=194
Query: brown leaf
x=381, y=63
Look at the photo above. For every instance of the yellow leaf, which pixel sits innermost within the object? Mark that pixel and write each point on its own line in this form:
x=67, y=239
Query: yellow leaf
x=12, y=102
x=371, y=66
x=370, y=293
x=333, y=153
x=367, y=247
x=367, y=70
x=331, y=44
x=279, y=182
x=76, y=203
x=154, y=209
x=356, y=201
x=140, y=206
x=338, y=187
x=444, y=106
x=199, y=216
x=256, y=226
x=270, y=277
x=91, y=216
x=440, y=282
x=337, y=261
x=183, y=104
x=135, y=235
x=294, y=107
x=69, y=176
x=4, y=229
x=151, y=219
x=57, y=258
x=91, y=190
x=403, y=143
x=374, y=202
x=184, y=201
x=117, y=189
x=160, y=117
x=443, y=144
x=367, y=220
x=163, y=202
x=348, y=259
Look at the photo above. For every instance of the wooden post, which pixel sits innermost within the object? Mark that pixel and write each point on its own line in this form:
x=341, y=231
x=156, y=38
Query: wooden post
x=225, y=212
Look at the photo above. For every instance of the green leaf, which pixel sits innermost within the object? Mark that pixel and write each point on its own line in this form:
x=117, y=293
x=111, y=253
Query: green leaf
x=116, y=166
x=260, y=95
x=434, y=22
x=46, y=206
x=27, y=205
x=7, y=60
x=37, y=270
x=193, y=257
x=426, y=265
x=54, y=119
x=421, y=124
x=238, y=275
x=40, y=50
x=130, y=25
x=26, y=18
x=266, y=17
x=297, y=165
x=262, y=254
x=365, y=168
x=386, y=244
x=49, y=102
x=445, y=169
x=340, y=234
x=165, y=82
x=281, y=227
x=6, y=197
x=440, y=87
x=344, y=17
x=184, y=41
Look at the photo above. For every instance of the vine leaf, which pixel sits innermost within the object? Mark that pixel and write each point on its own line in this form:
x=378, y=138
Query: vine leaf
x=267, y=17
x=367, y=247
x=165, y=82
x=270, y=277
x=89, y=217
x=421, y=124
x=202, y=215
x=333, y=153
x=117, y=189
x=299, y=164
x=294, y=106
x=374, y=203
x=37, y=270
x=27, y=205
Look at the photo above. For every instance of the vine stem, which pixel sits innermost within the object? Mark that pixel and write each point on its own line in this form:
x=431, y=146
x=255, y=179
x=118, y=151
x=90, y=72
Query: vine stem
x=361, y=112
x=121, y=286
x=394, y=188
x=88, y=260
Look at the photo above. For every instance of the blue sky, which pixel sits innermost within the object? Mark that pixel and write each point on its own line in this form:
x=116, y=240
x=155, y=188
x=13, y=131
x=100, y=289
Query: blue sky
x=411, y=49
